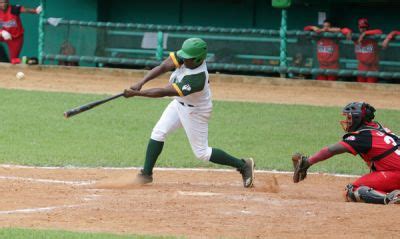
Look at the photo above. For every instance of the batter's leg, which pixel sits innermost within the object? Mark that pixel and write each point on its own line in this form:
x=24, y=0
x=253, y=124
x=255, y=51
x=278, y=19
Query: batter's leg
x=196, y=128
x=168, y=123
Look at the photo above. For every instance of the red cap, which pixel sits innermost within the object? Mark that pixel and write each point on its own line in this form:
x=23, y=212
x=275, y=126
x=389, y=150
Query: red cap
x=363, y=22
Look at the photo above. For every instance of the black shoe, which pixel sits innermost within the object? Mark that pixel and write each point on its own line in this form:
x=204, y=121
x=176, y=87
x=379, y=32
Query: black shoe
x=247, y=172
x=143, y=178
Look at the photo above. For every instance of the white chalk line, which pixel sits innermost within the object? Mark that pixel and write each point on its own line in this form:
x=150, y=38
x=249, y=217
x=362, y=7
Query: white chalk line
x=170, y=169
x=201, y=194
x=36, y=210
x=38, y=180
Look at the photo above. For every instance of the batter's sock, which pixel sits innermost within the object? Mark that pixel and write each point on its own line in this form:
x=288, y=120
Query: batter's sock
x=220, y=157
x=154, y=149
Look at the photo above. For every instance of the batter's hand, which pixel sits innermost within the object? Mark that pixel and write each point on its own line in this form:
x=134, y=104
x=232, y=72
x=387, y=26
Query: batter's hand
x=300, y=165
x=138, y=86
x=6, y=35
x=130, y=93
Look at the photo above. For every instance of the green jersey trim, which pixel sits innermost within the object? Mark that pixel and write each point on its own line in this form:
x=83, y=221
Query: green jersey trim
x=176, y=87
x=191, y=83
x=177, y=61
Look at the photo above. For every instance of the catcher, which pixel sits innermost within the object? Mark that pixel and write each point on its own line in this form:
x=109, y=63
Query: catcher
x=376, y=145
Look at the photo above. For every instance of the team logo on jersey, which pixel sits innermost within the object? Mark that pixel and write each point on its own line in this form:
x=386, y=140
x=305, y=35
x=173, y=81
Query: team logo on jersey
x=364, y=49
x=351, y=138
x=325, y=49
x=8, y=24
x=187, y=87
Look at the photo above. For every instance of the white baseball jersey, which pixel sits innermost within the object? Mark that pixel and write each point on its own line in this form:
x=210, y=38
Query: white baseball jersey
x=192, y=85
x=190, y=110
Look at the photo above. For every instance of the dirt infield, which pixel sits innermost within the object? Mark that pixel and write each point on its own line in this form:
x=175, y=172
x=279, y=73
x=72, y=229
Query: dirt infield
x=192, y=203
x=196, y=204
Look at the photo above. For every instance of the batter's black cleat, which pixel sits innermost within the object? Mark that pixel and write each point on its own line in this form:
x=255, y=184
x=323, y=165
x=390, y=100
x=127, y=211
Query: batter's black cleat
x=393, y=197
x=143, y=178
x=247, y=172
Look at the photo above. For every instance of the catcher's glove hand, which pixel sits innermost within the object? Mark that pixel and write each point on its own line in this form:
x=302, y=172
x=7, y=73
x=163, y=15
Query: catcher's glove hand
x=300, y=164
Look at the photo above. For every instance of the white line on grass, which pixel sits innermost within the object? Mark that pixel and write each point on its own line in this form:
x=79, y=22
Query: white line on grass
x=168, y=169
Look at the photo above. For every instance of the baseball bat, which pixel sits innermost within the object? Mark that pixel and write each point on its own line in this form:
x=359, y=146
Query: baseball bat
x=89, y=106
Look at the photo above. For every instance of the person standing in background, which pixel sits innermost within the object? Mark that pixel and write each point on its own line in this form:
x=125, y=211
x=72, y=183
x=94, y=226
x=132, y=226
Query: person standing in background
x=367, y=51
x=12, y=31
x=328, y=48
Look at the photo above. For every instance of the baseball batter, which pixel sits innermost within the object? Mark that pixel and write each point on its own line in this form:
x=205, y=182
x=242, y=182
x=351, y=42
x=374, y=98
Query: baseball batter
x=190, y=109
x=12, y=31
x=328, y=49
x=376, y=145
x=367, y=51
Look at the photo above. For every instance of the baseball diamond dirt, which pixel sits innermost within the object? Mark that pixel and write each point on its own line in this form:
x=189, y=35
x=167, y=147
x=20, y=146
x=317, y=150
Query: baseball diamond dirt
x=192, y=203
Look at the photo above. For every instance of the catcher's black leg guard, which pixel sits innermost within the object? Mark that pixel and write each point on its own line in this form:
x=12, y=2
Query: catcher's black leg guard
x=350, y=195
x=364, y=194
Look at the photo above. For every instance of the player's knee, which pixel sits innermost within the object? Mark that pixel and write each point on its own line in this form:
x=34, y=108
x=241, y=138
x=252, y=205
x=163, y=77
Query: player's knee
x=158, y=135
x=203, y=154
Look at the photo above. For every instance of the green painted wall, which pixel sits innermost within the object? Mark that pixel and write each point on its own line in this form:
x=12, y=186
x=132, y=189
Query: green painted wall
x=153, y=11
x=224, y=13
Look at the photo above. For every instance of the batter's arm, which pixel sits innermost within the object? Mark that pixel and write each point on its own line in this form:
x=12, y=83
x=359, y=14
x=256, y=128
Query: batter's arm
x=169, y=90
x=165, y=66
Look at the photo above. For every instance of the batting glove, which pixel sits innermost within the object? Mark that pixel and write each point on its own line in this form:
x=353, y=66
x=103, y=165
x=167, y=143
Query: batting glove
x=6, y=35
x=39, y=9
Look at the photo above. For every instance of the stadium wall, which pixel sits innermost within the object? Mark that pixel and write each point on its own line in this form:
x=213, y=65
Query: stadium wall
x=225, y=13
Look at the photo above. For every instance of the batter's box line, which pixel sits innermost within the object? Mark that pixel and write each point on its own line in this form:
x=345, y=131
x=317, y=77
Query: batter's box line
x=36, y=210
x=38, y=180
x=168, y=169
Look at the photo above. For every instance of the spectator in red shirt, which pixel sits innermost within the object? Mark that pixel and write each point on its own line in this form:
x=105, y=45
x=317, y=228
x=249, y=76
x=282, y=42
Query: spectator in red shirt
x=367, y=51
x=12, y=31
x=376, y=145
x=328, y=49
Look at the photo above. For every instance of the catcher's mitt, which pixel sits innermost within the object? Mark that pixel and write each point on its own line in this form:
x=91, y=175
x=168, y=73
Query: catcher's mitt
x=300, y=165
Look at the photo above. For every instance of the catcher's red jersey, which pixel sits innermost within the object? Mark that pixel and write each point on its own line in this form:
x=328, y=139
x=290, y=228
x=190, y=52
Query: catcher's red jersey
x=11, y=21
x=327, y=51
x=372, y=143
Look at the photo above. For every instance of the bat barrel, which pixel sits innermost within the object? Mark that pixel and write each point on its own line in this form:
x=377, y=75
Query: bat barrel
x=89, y=106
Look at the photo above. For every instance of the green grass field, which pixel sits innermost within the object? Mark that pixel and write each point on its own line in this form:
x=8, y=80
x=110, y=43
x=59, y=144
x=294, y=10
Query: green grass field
x=34, y=132
x=46, y=234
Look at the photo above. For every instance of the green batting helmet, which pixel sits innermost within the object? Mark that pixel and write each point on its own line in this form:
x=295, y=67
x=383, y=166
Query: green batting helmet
x=193, y=48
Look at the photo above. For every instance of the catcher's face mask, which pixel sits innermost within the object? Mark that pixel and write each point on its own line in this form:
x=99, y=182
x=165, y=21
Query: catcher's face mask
x=347, y=122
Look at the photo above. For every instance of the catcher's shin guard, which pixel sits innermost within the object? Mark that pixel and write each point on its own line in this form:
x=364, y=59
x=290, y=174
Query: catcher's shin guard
x=364, y=194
